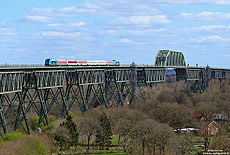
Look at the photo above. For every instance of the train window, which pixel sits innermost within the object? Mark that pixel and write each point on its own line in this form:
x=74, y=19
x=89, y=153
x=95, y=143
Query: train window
x=47, y=61
x=53, y=63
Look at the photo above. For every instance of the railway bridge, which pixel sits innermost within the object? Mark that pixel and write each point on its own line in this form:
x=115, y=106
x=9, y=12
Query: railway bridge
x=38, y=89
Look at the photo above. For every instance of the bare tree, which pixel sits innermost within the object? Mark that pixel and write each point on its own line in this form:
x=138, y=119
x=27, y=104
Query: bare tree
x=221, y=143
x=175, y=115
x=208, y=109
x=166, y=96
x=62, y=137
x=184, y=144
x=164, y=134
x=88, y=124
x=141, y=131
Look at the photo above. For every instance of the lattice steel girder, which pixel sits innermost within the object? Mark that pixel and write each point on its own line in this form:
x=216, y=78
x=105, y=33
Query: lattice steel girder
x=11, y=82
x=2, y=117
x=133, y=83
x=114, y=91
x=167, y=58
x=180, y=74
x=85, y=96
x=49, y=79
x=122, y=75
x=86, y=77
x=43, y=114
x=95, y=95
x=217, y=74
x=12, y=105
x=141, y=75
x=56, y=96
x=192, y=74
x=202, y=73
x=208, y=73
x=195, y=85
x=227, y=74
x=29, y=80
x=21, y=111
x=153, y=75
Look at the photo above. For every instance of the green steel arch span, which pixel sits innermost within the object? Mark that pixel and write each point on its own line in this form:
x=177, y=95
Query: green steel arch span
x=170, y=59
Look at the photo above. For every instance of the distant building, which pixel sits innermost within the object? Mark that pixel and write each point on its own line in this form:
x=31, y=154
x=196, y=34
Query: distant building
x=188, y=130
x=220, y=117
x=198, y=115
x=213, y=128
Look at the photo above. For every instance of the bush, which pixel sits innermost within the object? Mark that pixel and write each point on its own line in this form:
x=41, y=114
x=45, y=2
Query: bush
x=72, y=114
x=1, y=140
x=49, y=127
x=33, y=146
x=166, y=96
x=35, y=120
x=12, y=136
x=25, y=145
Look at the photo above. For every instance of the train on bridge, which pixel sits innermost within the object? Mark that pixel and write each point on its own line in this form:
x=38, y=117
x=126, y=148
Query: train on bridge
x=55, y=62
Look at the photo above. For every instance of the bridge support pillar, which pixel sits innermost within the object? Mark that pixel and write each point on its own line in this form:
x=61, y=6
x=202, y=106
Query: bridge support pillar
x=208, y=75
x=21, y=111
x=64, y=109
x=43, y=113
x=133, y=82
x=2, y=117
x=119, y=90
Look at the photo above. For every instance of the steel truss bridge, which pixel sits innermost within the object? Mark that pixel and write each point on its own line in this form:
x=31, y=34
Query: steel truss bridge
x=38, y=89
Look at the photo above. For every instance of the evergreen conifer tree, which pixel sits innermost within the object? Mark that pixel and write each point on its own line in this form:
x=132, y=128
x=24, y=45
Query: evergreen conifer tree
x=104, y=135
x=73, y=131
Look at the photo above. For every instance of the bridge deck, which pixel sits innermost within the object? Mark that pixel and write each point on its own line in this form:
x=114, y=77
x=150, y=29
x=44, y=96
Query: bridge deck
x=38, y=88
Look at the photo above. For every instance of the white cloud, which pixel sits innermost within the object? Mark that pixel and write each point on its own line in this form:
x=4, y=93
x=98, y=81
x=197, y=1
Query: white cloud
x=226, y=55
x=146, y=31
x=8, y=31
x=68, y=24
x=73, y=10
x=207, y=16
x=39, y=19
x=2, y=23
x=128, y=41
x=140, y=32
x=219, y=2
x=62, y=12
x=61, y=34
x=100, y=7
x=213, y=38
x=209, y=28
x=143, y=20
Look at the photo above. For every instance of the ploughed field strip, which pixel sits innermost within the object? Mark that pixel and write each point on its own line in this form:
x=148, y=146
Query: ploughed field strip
x=39, y=88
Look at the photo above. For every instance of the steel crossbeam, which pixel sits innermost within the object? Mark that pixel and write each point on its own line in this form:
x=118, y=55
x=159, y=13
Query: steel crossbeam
x=122, y=75
x=217, y=74
x=192, y=74
x=227, y=75
x=10, y=82
x=155, y=75
x=49, y=79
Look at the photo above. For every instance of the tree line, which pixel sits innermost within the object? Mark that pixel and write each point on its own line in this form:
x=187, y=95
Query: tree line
x=147, y=127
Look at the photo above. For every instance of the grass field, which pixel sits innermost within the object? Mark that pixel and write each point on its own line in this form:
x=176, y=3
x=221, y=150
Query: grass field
x=94, y=150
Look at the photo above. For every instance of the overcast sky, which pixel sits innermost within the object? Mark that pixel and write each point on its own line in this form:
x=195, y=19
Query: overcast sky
x=125, y=30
